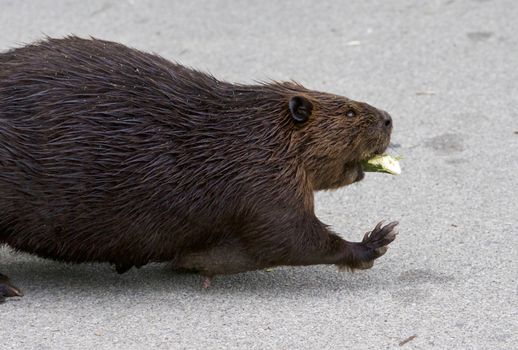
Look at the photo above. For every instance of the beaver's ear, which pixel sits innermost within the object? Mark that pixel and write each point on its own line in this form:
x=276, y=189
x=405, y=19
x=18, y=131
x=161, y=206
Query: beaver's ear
x=300, y=108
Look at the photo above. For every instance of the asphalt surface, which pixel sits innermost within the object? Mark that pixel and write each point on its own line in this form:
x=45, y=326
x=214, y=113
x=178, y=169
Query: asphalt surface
x=446, y=70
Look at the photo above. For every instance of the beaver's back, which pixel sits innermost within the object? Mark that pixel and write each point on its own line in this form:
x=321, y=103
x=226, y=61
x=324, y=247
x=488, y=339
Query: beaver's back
x=111, y=154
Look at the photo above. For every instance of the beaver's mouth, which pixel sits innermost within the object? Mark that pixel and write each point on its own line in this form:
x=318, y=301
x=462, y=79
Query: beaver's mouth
x=376, y=148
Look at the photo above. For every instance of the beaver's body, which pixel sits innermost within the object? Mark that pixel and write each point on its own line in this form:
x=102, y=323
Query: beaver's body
x=112, y=155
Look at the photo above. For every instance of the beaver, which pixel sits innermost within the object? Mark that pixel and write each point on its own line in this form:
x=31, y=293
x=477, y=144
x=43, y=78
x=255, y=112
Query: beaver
x=110, y=154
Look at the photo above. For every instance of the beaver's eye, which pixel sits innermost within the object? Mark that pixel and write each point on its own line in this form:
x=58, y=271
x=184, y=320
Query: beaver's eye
x=351, y=113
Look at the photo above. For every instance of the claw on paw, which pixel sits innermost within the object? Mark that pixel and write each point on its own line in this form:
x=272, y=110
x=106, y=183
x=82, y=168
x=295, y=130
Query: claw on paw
x=7, y=290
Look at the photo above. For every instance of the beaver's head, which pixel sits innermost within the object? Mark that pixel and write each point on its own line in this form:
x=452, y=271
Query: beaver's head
x=334, y=134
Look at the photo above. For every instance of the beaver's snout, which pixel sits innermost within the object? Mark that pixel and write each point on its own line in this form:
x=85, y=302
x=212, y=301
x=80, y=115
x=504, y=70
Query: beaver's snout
x=378, y=119
x=382, y=130
x=386, y=120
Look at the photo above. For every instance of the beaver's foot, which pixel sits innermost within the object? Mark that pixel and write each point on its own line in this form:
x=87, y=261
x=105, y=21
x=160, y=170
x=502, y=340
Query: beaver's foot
x=373, y=245
x=7, y=289
x=207, y=281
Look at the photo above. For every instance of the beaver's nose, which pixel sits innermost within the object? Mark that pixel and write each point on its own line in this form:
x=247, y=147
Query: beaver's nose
x=386, y=120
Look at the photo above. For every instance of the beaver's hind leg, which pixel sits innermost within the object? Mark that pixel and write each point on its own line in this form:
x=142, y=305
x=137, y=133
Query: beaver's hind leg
x=228, y=257
x=224, y=259
x=7, y=289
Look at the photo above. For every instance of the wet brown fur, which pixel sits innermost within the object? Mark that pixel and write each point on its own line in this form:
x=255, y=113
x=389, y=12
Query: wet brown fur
x=110, y=154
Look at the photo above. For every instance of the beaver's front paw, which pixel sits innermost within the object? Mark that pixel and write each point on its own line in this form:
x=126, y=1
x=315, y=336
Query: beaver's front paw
x=7, y=289
x=373, y=245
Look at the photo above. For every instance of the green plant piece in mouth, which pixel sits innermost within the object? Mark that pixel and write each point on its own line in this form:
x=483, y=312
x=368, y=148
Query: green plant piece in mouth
x=382, y=164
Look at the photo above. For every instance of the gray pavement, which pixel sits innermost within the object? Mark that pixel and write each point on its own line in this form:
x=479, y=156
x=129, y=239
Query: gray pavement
x=446, y=70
